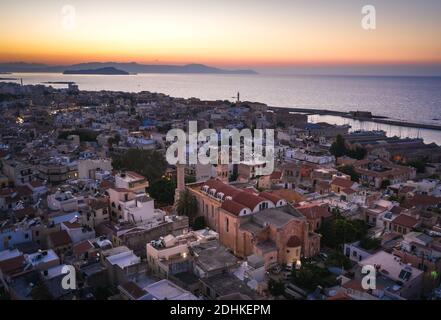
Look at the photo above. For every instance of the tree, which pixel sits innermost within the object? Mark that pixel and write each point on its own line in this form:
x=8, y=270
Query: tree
x=419, y=165
x=399, y=199
x=338, y=259
x=275, y=288
x=370, y=244
x=349, y=170
x=233, y=177
x=187, y=205
x=357, y=153
x=163, y=191
x=199, y=223
x=150, y=164
x=385, y=183
x=338, y=148
x=340, y=230
x=309, y=276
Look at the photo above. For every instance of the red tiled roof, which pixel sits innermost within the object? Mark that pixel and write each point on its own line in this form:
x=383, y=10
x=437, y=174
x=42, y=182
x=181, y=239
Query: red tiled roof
x=232, y=207
x=270, y=196
x=72, y=225
x=82, y=247
x=276, y=175
x=314, y=211
x=135, y=175
x=247, y=199
x=293, y=242
x=133, y=289
x=339, y=296
x=348, y=191
x=221, y=187
x=396, y=209
x=13, y=265
x=106, y=184
x=422, y=200
x=60, y=238
x=405, y=221
x=341, y=182
x=28, y=211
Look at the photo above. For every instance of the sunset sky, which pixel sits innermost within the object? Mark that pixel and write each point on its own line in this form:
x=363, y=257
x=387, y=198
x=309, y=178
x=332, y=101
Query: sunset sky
x=245, y=33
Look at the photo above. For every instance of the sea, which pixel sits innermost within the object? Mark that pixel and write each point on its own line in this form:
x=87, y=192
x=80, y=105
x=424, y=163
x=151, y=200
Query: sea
x=414, y=99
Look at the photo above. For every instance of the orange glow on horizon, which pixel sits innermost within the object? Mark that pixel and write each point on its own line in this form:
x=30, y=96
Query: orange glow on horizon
x=229, y=34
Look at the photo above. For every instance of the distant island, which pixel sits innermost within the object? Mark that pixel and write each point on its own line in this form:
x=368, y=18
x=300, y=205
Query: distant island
x=130, y=68
x=104, y=71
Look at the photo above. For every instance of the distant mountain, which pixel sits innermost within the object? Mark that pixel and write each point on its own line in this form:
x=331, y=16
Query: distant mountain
x=105, y=71
x=131, y=67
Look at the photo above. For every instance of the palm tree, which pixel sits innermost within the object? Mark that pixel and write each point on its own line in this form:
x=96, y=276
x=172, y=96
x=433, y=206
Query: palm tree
x=187, y=205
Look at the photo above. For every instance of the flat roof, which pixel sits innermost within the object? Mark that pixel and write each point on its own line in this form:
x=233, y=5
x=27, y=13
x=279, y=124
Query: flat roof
x=124, y=259
x=391, y=264
x=165, y=289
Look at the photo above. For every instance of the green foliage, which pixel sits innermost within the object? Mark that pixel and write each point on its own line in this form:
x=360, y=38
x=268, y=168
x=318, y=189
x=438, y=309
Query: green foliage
x=233, y=177
x=199, y=223
x=190, y=179
x=340, y=230
x=275, y=288
x=385, y=183
x=419, y=165
x=150, y=164
x=187, y=205
x=349, y=170
x=310, y=276
x=338, y=259
x=370, y=244
x=357, y=153
x=163, y=191
x=338, y=149
x=399, y=199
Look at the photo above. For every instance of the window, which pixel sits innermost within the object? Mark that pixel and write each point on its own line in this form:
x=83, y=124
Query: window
x=227, y=222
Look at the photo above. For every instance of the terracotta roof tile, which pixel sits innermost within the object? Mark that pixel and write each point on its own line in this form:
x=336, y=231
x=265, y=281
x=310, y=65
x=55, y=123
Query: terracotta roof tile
x=233, y=207
x=60, y=238
x=341, y=182
x=406, y=221
x=293, y=242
